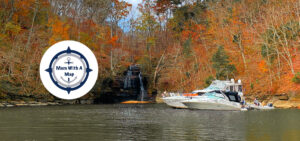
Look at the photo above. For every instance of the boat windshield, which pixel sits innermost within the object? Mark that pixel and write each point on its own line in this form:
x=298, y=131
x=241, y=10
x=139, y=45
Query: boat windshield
x=216, y=85
x=214, y=95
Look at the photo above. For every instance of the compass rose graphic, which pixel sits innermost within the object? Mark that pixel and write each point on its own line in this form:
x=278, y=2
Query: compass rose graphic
x=69, y=70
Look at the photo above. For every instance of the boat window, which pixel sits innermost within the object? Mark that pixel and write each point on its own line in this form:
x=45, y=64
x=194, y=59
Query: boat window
x=216, y=85
x=231, y=88
x=200, y=93
x=208, y=94
x=213, y=94
x=236, y=88
x=219, y=95
x=240, y=88
x=232, y=98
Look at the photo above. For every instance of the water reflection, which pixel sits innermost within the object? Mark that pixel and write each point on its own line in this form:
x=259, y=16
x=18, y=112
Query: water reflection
x=145, y=122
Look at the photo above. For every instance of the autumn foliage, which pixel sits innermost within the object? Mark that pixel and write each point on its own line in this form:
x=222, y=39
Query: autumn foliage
x=173, y=41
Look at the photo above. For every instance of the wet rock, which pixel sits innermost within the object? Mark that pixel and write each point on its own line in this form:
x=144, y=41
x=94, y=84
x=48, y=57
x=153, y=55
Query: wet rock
x=279, y=94
x=86, y=101
x=42, y=104
x=158, y=98
x=33, y=102
x=9, y=105
x=66, y=102
x=38, y=104
x=13, y=102
x=21, y=104
x=284, y=97
x=52, y=103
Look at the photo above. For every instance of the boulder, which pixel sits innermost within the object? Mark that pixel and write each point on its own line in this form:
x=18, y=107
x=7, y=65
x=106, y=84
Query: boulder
x=33, y=102
x=14, y=102
x=286, y=104
x=265, y=102
x=86, y=101
x=21, y=104
x=52, y=103
x=9, y=105
x=284, y=97
x=38, y=104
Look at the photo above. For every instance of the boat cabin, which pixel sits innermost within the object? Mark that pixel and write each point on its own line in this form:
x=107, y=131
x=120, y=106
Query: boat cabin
x=232, y=96
x=223, y=85
x=234, y=87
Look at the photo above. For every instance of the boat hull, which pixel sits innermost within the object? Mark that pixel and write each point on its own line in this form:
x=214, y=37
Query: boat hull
x=207, y=105
x=175, y=102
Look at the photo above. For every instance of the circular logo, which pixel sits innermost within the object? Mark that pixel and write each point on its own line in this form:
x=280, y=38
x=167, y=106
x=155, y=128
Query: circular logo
x=69, y=69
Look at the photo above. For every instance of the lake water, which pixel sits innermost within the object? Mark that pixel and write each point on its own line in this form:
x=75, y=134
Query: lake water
x=145, y=122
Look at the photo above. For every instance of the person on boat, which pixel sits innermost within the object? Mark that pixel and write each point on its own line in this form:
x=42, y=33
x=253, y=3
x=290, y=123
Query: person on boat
x=243, y=102
x=164, y=94
x=256, y=102
x=270, y=104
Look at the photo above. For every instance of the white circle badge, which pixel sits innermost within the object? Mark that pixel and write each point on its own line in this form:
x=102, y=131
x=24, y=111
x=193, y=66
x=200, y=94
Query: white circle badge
x=69, y=70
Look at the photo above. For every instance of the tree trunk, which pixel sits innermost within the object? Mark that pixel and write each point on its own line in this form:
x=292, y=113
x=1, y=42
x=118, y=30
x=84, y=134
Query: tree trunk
x=242, y=52
x=156, y=69
x=32, y=24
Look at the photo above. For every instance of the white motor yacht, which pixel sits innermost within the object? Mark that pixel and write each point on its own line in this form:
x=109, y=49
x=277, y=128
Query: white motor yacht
x=216, y=100
x=175, y=101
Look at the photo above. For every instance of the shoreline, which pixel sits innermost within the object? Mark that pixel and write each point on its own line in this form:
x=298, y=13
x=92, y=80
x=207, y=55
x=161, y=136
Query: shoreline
x=27, y=104
x=282, y=101
x=285, y=105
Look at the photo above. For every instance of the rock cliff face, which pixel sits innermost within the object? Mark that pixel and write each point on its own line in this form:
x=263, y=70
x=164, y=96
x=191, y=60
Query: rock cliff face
x=290, y=100
x=131, y=86
x=284, y=100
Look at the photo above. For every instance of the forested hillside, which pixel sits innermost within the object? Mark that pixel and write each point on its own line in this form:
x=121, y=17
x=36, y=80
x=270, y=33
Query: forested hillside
x=180, y=45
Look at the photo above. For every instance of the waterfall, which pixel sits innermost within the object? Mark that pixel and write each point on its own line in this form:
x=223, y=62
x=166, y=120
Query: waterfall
x=127, y=81
x=142, y=87
x=132, y=78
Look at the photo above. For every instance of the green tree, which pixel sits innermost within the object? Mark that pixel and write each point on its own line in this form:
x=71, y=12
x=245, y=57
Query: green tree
x=222, y=65
x=296, y=78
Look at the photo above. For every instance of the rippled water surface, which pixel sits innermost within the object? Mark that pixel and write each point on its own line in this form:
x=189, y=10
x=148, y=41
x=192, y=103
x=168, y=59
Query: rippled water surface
x=145, y=122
